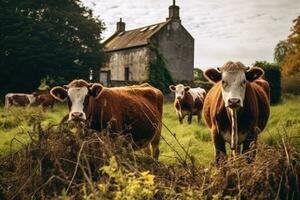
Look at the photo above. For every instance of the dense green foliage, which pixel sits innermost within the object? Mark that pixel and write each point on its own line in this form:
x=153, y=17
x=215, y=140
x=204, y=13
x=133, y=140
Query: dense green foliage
x=159, y=76
x=57, y=38
x=273, y=76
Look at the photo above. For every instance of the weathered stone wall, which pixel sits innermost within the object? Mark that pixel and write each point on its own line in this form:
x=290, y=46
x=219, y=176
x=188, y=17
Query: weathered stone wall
x=137, y=59
x=176, y=45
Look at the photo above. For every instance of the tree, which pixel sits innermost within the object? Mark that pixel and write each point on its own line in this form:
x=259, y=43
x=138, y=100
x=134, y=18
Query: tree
x=291, y=63
x=281, y=50
x=56, y=38
x=198, y=75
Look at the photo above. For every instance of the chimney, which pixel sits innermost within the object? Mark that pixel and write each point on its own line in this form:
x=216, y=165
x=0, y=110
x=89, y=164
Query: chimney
x=120, y=26
x=174, y=12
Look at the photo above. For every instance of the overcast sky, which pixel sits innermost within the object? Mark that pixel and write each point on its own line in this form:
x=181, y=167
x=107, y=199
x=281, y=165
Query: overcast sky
x=223, y=29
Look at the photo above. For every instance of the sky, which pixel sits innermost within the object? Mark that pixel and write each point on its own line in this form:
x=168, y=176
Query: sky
x=223, y=30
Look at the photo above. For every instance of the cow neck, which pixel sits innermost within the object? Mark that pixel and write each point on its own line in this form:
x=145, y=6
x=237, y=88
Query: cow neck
x=186, y=101
x=102, y=111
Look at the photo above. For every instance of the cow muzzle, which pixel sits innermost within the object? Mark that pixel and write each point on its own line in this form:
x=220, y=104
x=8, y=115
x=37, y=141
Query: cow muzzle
x=234, y=103
x=77, y=116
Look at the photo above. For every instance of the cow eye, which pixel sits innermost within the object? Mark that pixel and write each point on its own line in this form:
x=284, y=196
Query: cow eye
x=243, y=83
x=224, y=84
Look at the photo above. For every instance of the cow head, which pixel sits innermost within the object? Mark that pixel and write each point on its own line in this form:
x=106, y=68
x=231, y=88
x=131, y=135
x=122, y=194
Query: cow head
x=234, y=77
x=179, y=90
x=77, y=94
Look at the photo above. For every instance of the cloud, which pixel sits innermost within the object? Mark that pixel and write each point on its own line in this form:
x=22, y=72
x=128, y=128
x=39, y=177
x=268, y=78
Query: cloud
x=223, y=29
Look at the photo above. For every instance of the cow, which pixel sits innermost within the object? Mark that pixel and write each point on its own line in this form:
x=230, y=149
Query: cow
x=19, y=99
x=237, y=108
x=133, y=110
x=45, y=100
x=188, y=101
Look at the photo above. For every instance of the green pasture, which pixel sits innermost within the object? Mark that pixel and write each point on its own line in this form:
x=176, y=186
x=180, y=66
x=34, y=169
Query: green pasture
x=16, y=123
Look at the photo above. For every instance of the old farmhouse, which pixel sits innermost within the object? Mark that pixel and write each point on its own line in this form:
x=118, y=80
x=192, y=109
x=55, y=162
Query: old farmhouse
x=131, y=51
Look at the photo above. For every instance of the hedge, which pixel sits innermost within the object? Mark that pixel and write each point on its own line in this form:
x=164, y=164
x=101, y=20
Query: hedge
x=273, y=76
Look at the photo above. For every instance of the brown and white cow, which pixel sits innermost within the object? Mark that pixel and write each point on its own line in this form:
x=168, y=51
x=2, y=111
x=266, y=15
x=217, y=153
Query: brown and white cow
x=19, y=99
x=237, y=107
x=188, y=101
x=45, y=100
x=134, y=110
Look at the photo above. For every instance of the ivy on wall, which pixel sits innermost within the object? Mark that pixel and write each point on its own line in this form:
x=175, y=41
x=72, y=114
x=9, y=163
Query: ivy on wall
x=159, y=75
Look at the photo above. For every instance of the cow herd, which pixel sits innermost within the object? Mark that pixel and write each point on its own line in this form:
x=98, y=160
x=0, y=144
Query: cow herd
x=43, y=99
x=236, y=108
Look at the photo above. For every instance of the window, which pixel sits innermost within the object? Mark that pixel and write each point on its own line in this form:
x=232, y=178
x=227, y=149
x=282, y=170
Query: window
x=126, y=74
x=105, y=77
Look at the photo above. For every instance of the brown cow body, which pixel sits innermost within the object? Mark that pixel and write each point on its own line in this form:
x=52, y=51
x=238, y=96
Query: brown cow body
x=134, y=110
x=19, y=99
x=251, y=118
x=45, y=100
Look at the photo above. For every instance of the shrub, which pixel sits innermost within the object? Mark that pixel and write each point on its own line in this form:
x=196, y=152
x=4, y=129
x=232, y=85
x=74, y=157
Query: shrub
x=273, y=76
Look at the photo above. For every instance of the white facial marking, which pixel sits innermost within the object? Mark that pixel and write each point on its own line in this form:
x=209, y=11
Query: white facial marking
x=233, y=86
x=179, y=91
x=77, y=96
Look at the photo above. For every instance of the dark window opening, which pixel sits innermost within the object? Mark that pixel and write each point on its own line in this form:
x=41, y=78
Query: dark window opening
x=126, y=74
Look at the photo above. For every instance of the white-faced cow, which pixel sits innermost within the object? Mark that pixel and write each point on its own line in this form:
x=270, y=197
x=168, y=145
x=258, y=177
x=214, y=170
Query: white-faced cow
x=188, y=101
x=19, y=99
x=134, y=110
x=237, y=107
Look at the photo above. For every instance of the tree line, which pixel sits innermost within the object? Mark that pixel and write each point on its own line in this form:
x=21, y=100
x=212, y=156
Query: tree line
x=53, y=40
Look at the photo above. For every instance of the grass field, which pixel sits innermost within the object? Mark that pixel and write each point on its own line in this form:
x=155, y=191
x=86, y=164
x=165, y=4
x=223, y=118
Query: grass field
x=285, y=119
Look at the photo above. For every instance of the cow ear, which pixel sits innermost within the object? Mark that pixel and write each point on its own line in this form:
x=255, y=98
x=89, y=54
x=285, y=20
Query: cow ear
x=213, y=75
x=254, y=73
x=95, y=89
x=187, y=88
x=172, y=88
x=59, y=93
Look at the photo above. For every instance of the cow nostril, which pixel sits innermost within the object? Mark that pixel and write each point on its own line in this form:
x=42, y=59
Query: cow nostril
x=234, y=101
x=77, y=114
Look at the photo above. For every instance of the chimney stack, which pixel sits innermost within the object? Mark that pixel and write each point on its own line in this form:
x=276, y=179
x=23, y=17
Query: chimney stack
x=120, y=26
x=174, y=12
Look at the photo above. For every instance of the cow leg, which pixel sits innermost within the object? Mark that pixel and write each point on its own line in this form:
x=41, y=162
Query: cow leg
x=199, y=117
x=237, y=152
x=180, y=117
x=249, y=147
x=190, y=116
x=220, y=151
x=155, y=146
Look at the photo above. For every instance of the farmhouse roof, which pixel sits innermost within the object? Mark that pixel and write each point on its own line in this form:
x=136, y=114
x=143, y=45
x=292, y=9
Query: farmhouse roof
x=132, y=38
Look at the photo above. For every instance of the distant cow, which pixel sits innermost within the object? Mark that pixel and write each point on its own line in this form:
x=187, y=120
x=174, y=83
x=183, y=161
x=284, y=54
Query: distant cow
x=188, y=101
x=45, y=100
x=134, y=110
x=237, y=107
x=19, y=99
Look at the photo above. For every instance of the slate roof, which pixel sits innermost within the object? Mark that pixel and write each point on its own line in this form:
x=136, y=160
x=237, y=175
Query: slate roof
x=132, y=38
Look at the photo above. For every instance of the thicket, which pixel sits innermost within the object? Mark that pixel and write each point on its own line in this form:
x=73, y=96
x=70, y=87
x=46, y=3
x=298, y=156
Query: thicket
x=273, y=76
x=50, y=38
